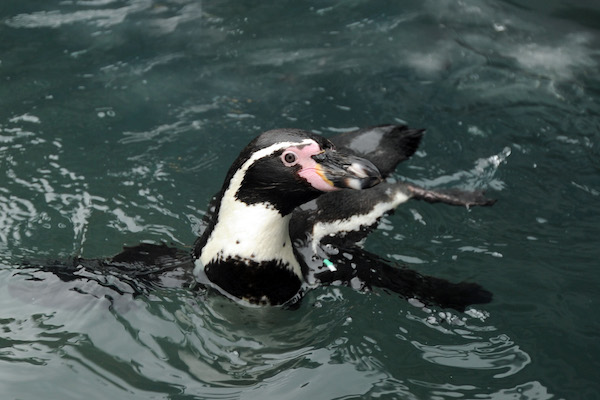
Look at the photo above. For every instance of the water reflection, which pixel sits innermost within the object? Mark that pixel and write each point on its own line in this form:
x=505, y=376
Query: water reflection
x=498, y=353
x=528, y=391
x=163, y=18
x=177, y=340
x=244, y=345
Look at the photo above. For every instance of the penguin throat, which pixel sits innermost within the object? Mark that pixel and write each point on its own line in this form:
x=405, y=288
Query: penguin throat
x=255, y=234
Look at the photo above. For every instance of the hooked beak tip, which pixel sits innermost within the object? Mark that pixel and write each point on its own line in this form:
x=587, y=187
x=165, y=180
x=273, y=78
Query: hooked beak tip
x=345, y=171
x=358, y=169
x=362, y=181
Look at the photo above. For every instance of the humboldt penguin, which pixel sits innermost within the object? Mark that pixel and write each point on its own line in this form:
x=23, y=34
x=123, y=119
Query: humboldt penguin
x=292, y=214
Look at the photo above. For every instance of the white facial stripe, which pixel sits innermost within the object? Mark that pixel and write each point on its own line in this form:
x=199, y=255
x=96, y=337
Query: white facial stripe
x=355, y=222
x=238, y=177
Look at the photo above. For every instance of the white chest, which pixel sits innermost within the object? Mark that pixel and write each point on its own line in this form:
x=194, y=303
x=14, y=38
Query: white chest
x=253, y=232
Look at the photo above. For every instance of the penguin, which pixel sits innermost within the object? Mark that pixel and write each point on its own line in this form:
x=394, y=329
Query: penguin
x=291, y=215
x=247, y=251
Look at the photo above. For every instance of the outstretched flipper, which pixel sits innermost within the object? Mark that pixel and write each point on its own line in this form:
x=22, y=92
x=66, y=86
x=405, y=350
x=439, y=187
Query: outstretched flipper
x=354, y=214
x=138, y=267
x=338, y=220
x=454, y=197
x=375, y=272
x=385, y=146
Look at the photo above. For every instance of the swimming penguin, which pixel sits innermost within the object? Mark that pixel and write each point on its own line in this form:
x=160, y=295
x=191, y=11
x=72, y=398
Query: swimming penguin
x=290, y=215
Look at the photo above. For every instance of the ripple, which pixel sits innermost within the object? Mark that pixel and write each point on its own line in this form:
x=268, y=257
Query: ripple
x=528, y=391
x=16, y=216
x=100, y=17
x=160, y=19
x=560, y=60
x=221, y=352
x=495, y=354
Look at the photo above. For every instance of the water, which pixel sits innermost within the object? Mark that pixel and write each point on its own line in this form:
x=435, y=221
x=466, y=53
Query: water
x=118, y=120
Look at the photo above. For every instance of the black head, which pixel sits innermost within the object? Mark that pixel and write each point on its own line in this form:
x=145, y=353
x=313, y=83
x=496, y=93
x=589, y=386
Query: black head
x=286, y=168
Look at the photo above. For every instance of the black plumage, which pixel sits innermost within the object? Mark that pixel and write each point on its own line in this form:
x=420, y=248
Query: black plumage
x=385, y=146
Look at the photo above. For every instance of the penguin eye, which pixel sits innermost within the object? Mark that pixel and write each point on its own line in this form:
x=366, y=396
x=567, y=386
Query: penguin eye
x=289, y=158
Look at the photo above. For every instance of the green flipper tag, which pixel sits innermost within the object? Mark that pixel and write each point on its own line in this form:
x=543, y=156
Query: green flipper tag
x=329, y=265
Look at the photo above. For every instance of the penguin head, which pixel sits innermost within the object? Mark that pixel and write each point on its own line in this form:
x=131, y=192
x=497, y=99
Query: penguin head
x=285, y=168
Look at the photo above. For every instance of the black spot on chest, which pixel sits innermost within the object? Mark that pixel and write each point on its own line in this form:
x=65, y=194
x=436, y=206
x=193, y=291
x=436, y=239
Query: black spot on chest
x=267, y=282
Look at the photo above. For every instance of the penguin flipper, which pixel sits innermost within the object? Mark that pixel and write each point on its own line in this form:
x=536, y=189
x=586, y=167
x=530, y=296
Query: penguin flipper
x=146, y=257
x=373, y=271
x=353, y=214
x=454, y=197
x=385, y=146
x=151, y=265
x=138, y=268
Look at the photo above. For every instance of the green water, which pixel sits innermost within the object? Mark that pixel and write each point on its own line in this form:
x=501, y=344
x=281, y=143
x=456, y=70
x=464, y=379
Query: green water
x=118, y=120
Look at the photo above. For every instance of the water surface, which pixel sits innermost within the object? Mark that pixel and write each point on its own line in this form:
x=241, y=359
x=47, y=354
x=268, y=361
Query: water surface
x=118, y=120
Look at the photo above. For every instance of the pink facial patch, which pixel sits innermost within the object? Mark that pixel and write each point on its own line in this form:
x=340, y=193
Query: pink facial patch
x=311, y=171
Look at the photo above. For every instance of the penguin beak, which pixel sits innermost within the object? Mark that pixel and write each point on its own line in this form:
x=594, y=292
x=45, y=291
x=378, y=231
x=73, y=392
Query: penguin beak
x=346, y=171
